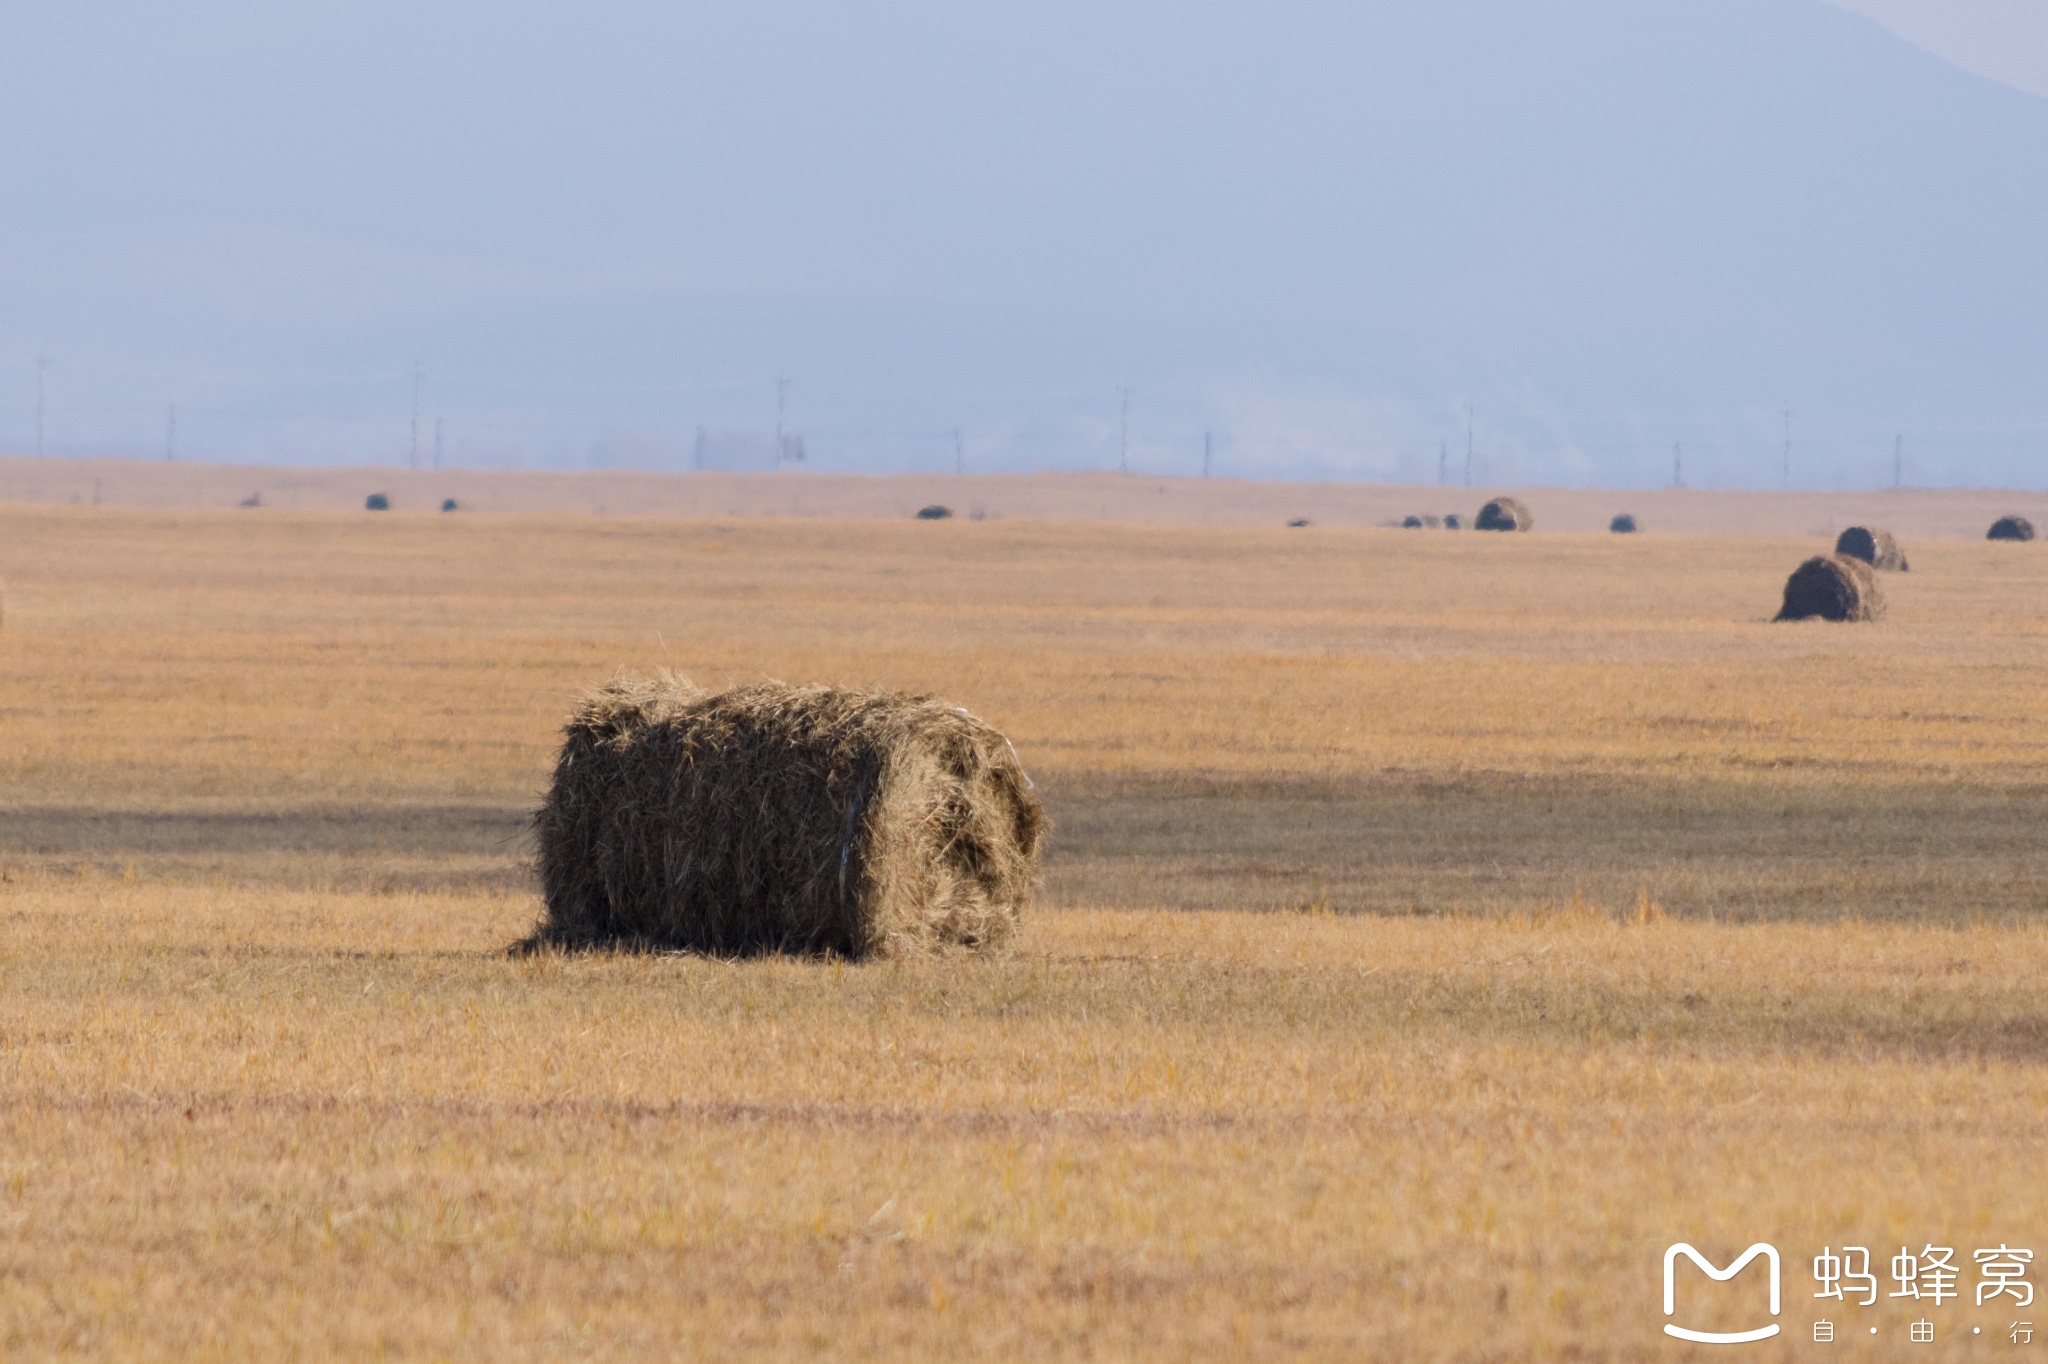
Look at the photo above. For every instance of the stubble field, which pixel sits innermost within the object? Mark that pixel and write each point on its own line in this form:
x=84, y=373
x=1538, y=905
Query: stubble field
x=1436, y=927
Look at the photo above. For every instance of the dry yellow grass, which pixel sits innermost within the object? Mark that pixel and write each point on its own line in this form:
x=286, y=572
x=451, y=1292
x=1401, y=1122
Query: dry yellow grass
x=270, y=1089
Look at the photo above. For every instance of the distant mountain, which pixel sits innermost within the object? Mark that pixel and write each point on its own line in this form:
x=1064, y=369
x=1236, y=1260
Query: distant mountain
x=1333, y=238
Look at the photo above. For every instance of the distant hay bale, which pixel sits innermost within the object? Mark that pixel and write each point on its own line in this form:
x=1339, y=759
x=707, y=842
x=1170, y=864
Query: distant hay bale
x=1874, y=547
x=1503, y=513
x=377, y=502
x=1623, y=524
x=1300, y=523
x=1832, y=587
x=1452, y=521
x=2011, y=528
x=935, y=512
x=772, y=818
x=1421, y=521
x=448, y=504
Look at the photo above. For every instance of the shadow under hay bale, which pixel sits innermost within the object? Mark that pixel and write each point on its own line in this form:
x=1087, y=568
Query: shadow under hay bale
x=1423, y=521
x=1503, y=513
x=2011, y=528
x=1874, y=547
x=1832, y=587
x=808, y=820
x=1623, y=524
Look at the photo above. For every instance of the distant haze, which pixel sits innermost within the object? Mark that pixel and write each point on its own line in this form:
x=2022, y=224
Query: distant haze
x=2006, y=40
x=1330, y=239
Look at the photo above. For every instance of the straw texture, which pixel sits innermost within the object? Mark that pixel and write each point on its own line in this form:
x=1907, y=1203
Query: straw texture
x=809, y=820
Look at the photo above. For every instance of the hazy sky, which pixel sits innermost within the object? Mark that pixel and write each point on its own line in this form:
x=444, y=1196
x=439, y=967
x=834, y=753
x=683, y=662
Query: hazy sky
x=1324, y=236
x=2006, y=40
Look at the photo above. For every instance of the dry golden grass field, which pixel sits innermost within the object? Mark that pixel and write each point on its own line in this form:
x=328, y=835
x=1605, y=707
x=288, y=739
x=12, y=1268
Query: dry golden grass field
x=1436, y=927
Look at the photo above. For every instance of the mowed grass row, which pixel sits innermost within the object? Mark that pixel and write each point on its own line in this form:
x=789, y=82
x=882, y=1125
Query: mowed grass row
x=1374, y=721
x=242, y=1125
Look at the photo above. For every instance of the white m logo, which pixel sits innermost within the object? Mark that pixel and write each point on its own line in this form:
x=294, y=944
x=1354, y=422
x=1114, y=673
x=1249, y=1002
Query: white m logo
x=1671, y=1255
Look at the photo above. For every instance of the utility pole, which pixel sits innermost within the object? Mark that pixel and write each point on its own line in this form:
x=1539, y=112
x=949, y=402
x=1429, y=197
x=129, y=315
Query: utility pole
x=1471, y=424
x=437, y=442
x=781, y=417
x=959, y=454
x=1443, y=463
x=1123, y=439
x=416, y=414
x=1899, y=460
x=1788, y=446
x=42, y=371
x=1677, y=465
x=171, y=432
x=1206, y=446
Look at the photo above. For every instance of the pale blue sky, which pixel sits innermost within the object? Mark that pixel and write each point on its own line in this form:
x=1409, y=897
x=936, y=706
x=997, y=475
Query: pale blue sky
x=2006, y=40
x=1320, y=232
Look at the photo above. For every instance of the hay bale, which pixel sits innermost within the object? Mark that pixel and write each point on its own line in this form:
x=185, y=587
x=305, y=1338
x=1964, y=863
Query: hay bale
x=377, y=502
x=1300, y=523
x=783, y=819
x=2011, y=528
x=1503, y=513
x=1623, y=524
x=1874, y=547
x=1832, y=587
x=934, y=512
x=449, y=504
x=1452, y=521
x=1421, y=521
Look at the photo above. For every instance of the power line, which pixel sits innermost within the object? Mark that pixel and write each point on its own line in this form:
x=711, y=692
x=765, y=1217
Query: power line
x=781, y=415
x=1788, y=446
x=42, y=371
x=1123, y=440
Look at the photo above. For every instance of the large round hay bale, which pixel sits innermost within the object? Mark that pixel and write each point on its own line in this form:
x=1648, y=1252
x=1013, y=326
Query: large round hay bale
x=1874, y=547
x=1421, y=521
x=2011, y=528
x=935, y=512
x=1452, y=521
x=1503, y=513
x=1623, y=524
x=1832, y=587
x=783, y=819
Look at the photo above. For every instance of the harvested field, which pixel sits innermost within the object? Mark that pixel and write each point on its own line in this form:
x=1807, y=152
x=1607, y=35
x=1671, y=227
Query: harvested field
x=1435, y=927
